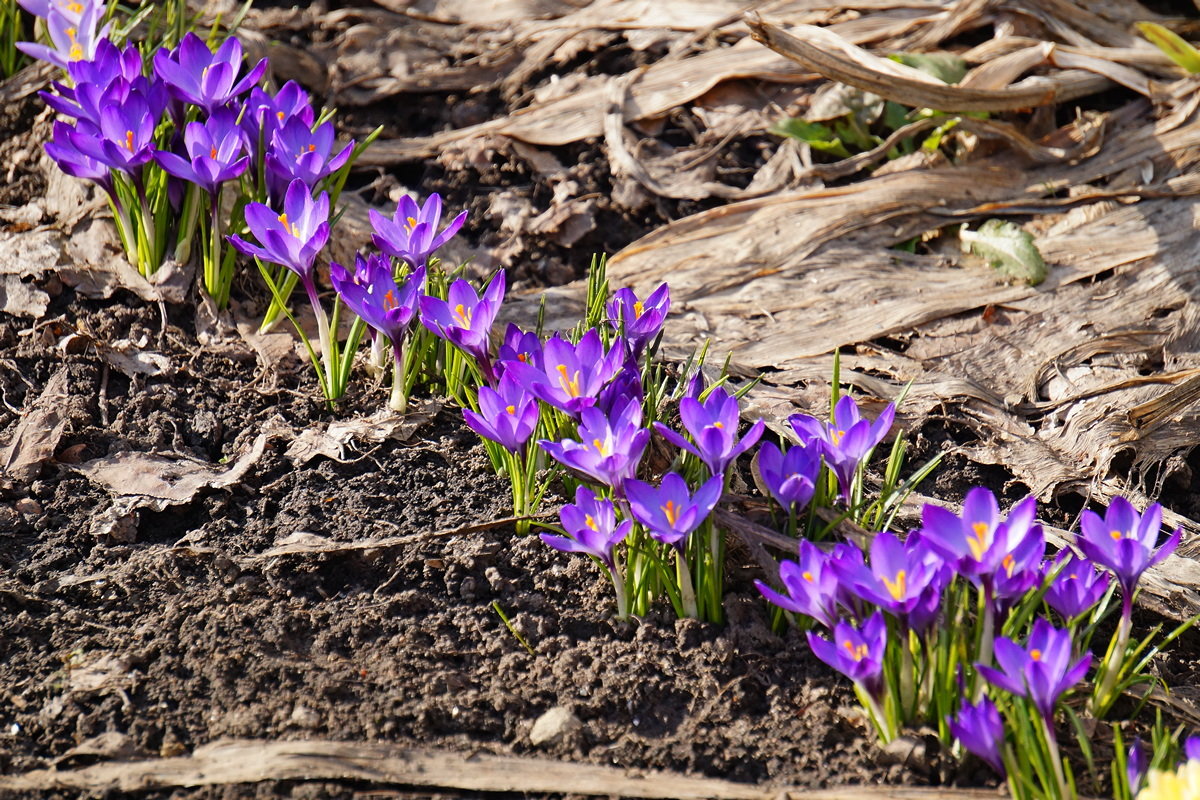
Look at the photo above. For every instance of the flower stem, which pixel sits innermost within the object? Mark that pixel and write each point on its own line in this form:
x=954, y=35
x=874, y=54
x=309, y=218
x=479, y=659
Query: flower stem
x=1052, y=751
x=986, y=638
x=1104, y=697
x=323, y=335
x=687, y=593
x=398, y=401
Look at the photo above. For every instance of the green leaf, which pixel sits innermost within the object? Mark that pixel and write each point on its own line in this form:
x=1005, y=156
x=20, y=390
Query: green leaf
x=1008, y=248
x=814, y=134
x=1178, y=50
x=946, y=67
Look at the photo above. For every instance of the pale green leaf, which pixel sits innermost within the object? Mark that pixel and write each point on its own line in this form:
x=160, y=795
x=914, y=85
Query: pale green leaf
x=946, y=67
x=1178, y=50
x=1008, y=248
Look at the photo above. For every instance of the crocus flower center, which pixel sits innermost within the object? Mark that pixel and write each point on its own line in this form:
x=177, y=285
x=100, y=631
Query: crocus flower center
x=279, y=115
x=389, y=300
x=978, y=540
x=75, y=8
x=1116, y=535
x=638, y=309
x=1008, y=563
x=718, y=425
x=835, y=436
x=1035, y=654
x=523, y=357
x=464, y=315
x=212, y=153
x=569, y=385
x=601, y=447
x=513, y=410
x=671, y=511
x=129, y=141
x=588, y=520
x=412, y=223
x=857, y=652
x=808, y=576
x=899, y=587
x=289, y=226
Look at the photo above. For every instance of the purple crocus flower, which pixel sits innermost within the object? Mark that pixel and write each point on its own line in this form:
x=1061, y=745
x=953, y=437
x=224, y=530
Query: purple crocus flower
x=215, y=152
x=790, y=477
x=197, y=75
x=1135, y=766
x=373, y=293
x=1191, y=748
x=125, y=137
x=847, y=440
x=626, y=386
x=670, y=512
x=71, y=9
x=72, y=160
x=857, y=653
x=519, y=345
x=73, y=38
x=571, y=375
x=609, y=446
x=811, y=583
x=981, y=730
x=465, y=319
x=265, y=114
x=896, y=580
x=636, y=320
x=411, y=234
x=107, y=67
x=1125, y=541
x=1079, y=585
x=293, y=238
x=507, y=414
x=591, y=527
x=1041, y=671
x=713, y=425
x=298, y=152
x=979, y=543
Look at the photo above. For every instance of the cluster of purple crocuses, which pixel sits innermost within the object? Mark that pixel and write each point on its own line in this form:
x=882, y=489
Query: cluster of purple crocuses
x=223, y=127
x=874, y=606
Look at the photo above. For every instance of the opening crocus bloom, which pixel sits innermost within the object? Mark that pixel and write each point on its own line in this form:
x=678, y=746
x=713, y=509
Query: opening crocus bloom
x=411, y=234
x=857, y=653
x=847, y=440
x=980, y=543
x=671, y=512
x=591, y=527
x=1125, y=541
x=713, y=425
x=1042, y=670
x=1182, y=784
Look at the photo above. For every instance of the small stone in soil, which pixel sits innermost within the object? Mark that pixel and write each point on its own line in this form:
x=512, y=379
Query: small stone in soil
x=554, y=725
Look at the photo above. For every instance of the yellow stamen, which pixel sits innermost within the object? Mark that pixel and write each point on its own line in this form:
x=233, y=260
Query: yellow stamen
x=898, y=588
x=513, y=410
x=389, y=300
x=569, y=385
x=638, y=309
x=1036, y=655
x=857, y=653
x=212, y=153
x=808, y=576
x=463, y=314
x=1008, y=563
x=980, y=540
x=672, y=512
x=288, y=226
x=523, y=357
x=312, y=147
x=1116, y=535
x=719, y=425
x=601, y=447
x=279, y=114
x=412, y=223
x=76, y=52
x=129, y=141
x=836, y=437
x=591, y=523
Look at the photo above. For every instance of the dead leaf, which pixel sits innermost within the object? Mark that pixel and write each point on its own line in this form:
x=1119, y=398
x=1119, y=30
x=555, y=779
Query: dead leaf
x=334, y=441
x=147, y=480
x=37, y=434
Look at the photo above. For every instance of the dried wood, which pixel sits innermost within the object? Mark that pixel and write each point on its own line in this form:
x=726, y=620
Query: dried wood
x=828, y=54
x=245, y=761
